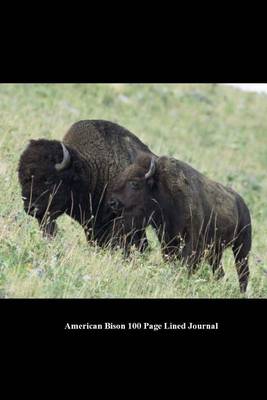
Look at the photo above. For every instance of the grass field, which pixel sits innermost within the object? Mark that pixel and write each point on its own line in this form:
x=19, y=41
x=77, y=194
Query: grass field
x=220, y=131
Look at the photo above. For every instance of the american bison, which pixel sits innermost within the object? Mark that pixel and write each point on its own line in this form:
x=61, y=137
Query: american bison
x=194, y=217
x=72, y=177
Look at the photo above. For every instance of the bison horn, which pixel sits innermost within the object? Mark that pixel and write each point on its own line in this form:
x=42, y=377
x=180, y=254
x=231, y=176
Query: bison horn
x=66, y=159
x=152, y=169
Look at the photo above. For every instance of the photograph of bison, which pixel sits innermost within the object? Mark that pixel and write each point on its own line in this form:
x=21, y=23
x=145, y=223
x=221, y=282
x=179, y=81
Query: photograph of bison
x=140, y=191
x=72, y=177
x=193, y=216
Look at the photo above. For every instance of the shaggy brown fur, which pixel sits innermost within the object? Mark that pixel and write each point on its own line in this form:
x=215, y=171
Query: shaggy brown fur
x=194, y=217
x=99, y=151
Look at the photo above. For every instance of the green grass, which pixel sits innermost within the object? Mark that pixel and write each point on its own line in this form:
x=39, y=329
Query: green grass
x=218, y=130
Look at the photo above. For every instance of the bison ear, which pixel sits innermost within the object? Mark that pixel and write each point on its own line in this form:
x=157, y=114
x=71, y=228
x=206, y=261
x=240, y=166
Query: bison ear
x=150, y=175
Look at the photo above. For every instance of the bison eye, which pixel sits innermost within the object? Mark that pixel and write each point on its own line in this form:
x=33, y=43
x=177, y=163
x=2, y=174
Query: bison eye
x=135, y=185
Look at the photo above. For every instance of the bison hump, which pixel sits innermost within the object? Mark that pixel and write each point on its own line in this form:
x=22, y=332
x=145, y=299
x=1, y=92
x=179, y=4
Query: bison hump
x=173, y=174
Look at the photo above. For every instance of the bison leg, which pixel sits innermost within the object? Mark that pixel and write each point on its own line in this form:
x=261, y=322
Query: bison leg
x=215, y=262
x=241, y=249
x=241, y=262
x=139, y=242
x=176, y=250
x=115, y=234
x=187, y=257
x=137, y=239
x=49, y=229
x=190, y=257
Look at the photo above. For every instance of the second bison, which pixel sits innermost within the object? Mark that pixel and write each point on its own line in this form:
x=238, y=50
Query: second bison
x=194, y=217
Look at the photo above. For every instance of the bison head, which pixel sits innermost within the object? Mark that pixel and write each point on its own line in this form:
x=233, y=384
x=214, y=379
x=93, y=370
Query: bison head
x=44, y=177
x=133, y=192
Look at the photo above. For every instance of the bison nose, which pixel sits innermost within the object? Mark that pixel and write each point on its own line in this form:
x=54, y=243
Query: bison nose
x=115, y=204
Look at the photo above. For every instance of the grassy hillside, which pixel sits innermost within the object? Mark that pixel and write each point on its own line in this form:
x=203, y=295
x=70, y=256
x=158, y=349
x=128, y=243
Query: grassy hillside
x=218, y=130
